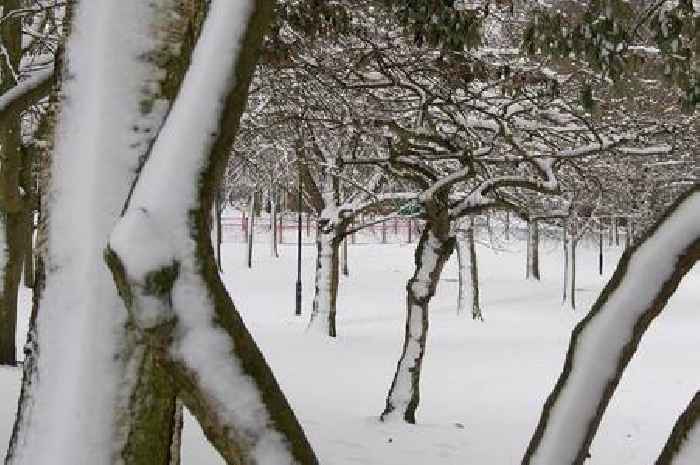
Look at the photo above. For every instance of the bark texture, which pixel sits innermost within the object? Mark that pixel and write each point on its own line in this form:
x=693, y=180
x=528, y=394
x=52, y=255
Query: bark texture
x=13, y=216
x=434, y=248
x=687, y=424
x=533, y=250
x=545, y=443
x=323, y=314
x=227, y=433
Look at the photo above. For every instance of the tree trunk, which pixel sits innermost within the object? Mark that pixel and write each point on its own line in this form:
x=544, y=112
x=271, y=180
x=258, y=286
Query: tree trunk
x=323, y=313
x=219, y=231
x=273, y=227
x=507, y=226
x=251, y=229
x=13, y=205
x=434, y=248
x=178, y=302
x=533, y=251
x=565, y=249
x=346, y=271
x=474, y=273
x=684, y=438
x=603, y=343
x=88, y=307
x=574, y=244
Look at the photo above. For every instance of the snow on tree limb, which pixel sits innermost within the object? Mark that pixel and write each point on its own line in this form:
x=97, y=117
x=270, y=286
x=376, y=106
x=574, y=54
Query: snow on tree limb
x=26, y=92
x=603, y=343
x=207, y=351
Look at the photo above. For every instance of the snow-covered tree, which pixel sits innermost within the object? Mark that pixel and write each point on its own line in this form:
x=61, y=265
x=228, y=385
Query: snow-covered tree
x=604, y=342
x=134, y=315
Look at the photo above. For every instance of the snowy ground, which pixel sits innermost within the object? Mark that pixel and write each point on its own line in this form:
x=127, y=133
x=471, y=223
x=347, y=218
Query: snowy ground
x=483, y=383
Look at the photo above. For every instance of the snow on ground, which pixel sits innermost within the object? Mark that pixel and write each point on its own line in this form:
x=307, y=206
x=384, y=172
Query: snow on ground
x=483, y=384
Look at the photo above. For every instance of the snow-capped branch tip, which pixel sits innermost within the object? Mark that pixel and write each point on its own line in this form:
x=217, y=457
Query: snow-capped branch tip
x=26, y=93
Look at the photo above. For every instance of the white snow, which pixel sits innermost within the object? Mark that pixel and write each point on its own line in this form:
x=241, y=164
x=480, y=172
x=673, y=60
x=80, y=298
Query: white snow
x=491, y=377
x=24, y=86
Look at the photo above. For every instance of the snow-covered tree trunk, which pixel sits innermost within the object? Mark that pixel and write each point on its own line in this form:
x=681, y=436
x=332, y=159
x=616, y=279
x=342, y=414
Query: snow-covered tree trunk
x=474, y=274
x=572, y=284
x=323, y=313
x=434, y=248
x=273, y=226
x=344, y=258
x=565, y=261
x=603, y=343
x=114, y=109
x=164, y=266
x=533, y=250
x=468, y=283
x=683, y=444
x=251, y=230
x=463, y=290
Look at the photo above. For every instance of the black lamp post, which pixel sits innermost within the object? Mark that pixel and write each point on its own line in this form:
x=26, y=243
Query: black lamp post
x=299, y=187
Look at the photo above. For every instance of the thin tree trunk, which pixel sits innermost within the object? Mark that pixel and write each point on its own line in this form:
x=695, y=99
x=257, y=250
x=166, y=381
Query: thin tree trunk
x=434, y=248
x=507, y=226
x=461, y=277
x=219, y=232
x=346, y=271
x=251, y=229
x=600, y=252
x=565, y=249
x=474, y=273
x=533, y=247
x=574, y=244
x=273, y=227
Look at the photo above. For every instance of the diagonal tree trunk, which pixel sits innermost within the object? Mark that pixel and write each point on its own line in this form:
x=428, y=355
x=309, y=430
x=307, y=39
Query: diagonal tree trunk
x=683, y=444
x=603, y=343
x=175, y=299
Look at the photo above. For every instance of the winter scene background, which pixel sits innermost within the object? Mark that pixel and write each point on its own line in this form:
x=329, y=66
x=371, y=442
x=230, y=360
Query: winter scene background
x=276, y=232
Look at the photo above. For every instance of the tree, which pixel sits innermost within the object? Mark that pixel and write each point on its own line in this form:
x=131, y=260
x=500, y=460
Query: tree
x=603, y=343
x=24, y=80
x=173, y=89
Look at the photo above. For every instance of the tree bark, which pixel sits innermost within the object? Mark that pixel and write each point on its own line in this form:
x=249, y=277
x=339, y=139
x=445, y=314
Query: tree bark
x=565, y=249
x=603, y=343
x=251, y=230
x=346, y=271
x=183, y=309
x=533, y=251
x=474, y=274
x=685, y=435
x=323, y=314
x=13, y=205
x=434, y=248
